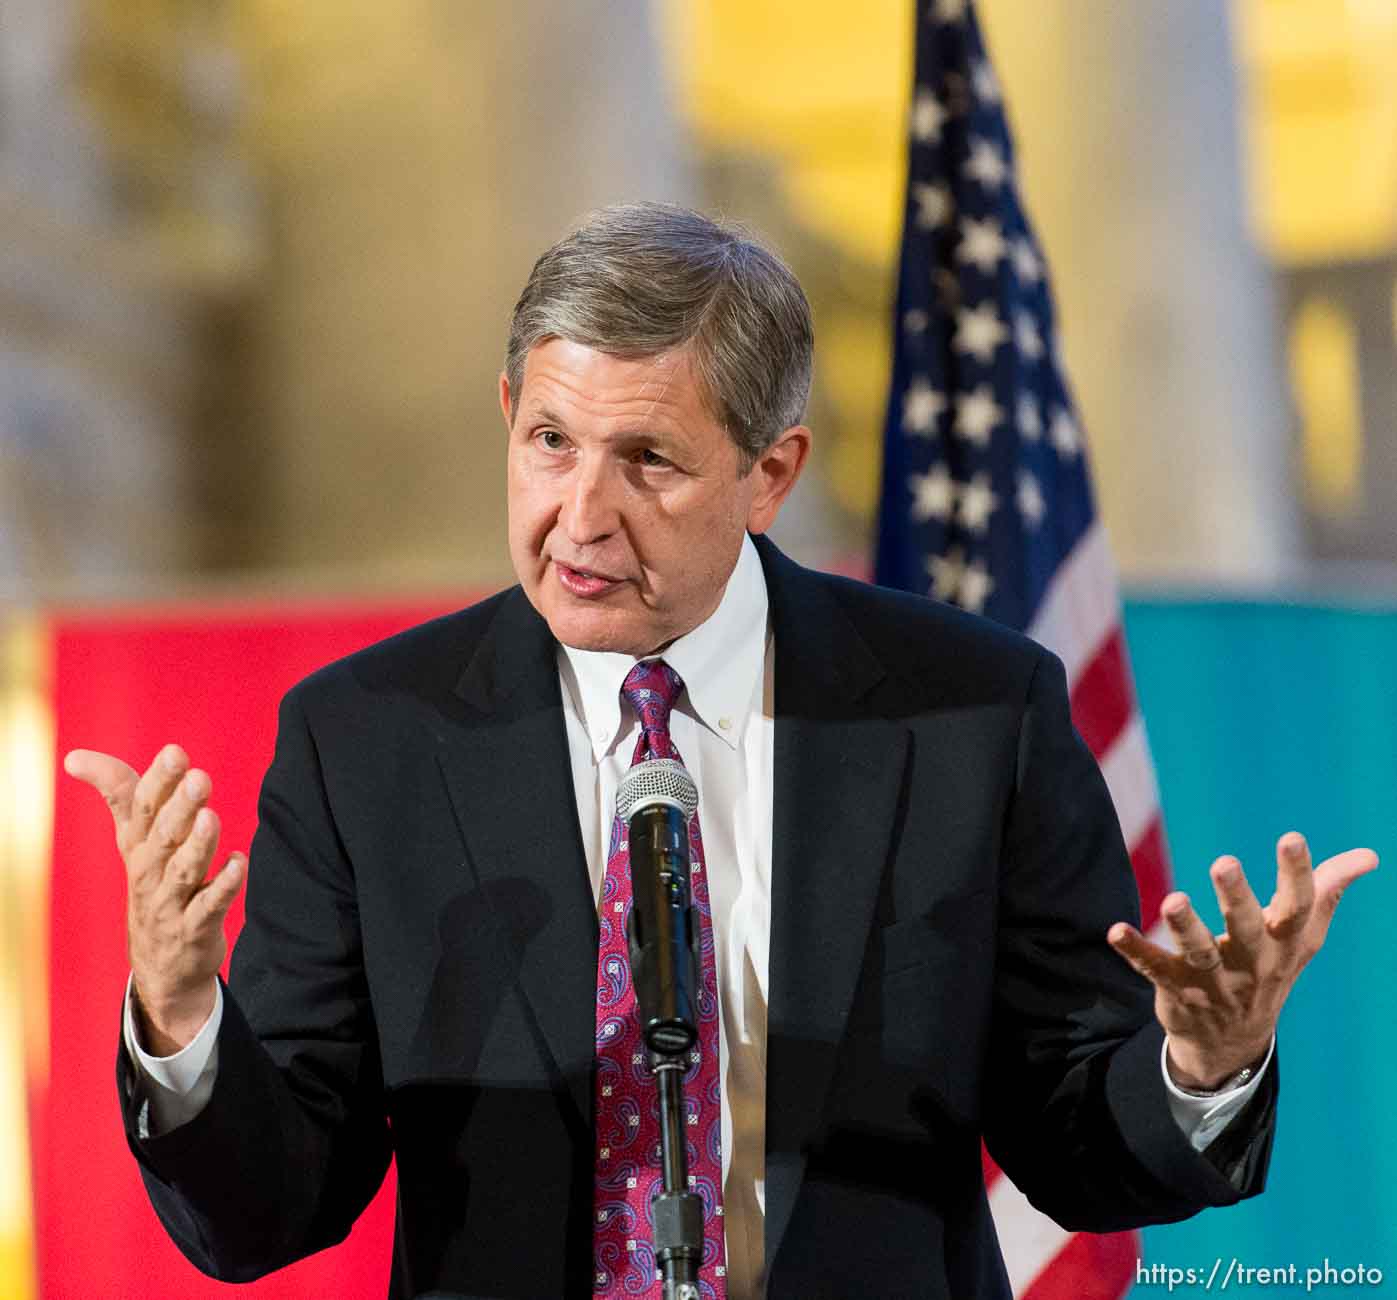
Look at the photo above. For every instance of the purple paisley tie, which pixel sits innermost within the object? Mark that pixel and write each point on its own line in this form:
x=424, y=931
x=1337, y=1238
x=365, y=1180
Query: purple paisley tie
x=628, y=1170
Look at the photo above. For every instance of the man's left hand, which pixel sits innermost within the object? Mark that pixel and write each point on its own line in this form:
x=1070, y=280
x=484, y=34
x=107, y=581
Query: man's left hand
x=1218, y=996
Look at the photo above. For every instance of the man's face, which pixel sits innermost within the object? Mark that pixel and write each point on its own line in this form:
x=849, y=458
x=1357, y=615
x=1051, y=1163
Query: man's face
x=626, y=510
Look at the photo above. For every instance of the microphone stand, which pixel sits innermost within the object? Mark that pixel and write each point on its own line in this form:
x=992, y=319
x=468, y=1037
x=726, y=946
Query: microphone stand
x=678, y=1211
x=665, y=965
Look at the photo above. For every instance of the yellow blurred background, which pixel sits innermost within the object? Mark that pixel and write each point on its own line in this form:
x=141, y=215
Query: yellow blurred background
x=259, y=256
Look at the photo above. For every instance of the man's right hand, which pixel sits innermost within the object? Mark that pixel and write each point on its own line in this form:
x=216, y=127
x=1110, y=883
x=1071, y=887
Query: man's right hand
x=174, y=914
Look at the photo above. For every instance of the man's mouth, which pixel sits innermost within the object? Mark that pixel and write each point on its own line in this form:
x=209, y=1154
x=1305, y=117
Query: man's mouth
x=587, y=583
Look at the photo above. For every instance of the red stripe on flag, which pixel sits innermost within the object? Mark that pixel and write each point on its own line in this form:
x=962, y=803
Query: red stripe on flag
x=1150, y=858
x=1103, y=699
x=1090, y=1266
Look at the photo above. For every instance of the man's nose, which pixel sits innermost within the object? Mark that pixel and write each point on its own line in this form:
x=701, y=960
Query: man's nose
x=591, y=507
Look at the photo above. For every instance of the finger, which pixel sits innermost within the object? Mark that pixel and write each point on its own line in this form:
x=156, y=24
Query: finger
x=1241, y=913
x=175, y=819
x=114, y=780
x=1331, y=878
x=156, y=785
x=1156, y=964
x=190, y=864
x=1289, y=911
x=1197, y=946
x=210, y=905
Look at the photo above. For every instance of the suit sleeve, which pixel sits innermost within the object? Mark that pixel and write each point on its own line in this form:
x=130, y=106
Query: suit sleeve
x=293, y=1142
x=1077, y=1112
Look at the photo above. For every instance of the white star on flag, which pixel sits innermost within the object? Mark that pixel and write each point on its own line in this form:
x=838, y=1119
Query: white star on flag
x=946, y=572
x=933, y=205
x=1029, y=421
x=981, y=243
x=949, y=11
x=1064, y=435
x=969, y=585
x=1026, y=262
x=1030, y=500
x=977, y=503
x=915, y=320
x=976, y=415
x=986, y=164
x=928, y=117
x=921, y=408
x=1026, y=336
x=975, y=587
x=986, y=83
x=979, y=331
x=935, y=493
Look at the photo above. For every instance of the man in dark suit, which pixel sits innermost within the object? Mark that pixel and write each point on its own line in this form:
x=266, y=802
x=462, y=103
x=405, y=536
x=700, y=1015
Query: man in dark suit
x=913, y=864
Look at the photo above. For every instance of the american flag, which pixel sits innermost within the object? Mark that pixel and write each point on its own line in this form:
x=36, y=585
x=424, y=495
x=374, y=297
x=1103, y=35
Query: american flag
x=987, y=501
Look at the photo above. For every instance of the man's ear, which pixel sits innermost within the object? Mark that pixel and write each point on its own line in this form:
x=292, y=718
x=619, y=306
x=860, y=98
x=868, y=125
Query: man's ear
x=777, y=470
x=506, y=402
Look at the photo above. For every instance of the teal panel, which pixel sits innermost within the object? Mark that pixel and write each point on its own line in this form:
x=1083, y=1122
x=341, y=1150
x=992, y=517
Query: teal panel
x=1265, y=718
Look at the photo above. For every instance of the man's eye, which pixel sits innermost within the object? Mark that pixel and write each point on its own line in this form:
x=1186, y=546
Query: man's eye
x=552, y=439
x=650, y=458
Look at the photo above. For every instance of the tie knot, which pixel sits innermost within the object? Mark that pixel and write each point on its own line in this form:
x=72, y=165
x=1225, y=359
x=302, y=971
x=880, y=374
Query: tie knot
x=651, y=688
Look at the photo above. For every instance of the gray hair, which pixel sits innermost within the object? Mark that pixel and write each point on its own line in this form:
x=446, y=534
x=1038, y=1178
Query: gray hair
x=637, y=280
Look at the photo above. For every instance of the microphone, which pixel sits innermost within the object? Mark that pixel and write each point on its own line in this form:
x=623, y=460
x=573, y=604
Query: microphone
x=656, y=798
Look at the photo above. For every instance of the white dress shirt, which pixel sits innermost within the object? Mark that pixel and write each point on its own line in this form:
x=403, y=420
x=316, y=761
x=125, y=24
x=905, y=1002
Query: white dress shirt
x=723, y=726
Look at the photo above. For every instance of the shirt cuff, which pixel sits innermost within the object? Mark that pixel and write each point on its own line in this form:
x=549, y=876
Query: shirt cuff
x=1203, y=1118
x=178, y=1086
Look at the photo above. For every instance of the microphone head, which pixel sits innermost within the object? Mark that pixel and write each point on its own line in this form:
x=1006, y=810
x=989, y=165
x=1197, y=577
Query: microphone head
x=656, y=781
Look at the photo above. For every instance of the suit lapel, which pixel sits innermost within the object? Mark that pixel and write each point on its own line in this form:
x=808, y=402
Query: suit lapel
x=838, y=771
x=510, y=780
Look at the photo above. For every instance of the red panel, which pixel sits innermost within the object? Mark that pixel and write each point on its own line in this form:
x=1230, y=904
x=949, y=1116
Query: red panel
x=128, y=684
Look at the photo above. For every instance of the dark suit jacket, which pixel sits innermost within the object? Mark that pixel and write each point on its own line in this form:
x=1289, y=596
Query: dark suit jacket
x=417, y=969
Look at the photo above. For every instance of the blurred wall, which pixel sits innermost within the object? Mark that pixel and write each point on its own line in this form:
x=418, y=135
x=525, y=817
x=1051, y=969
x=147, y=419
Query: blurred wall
x=1321, y=100
x=107, y=268
x=260, y=258
x=258, y=265
x=1130, y=151
x=415, y=158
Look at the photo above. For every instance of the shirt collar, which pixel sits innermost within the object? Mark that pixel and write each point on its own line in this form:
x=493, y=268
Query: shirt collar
x=720, y=661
